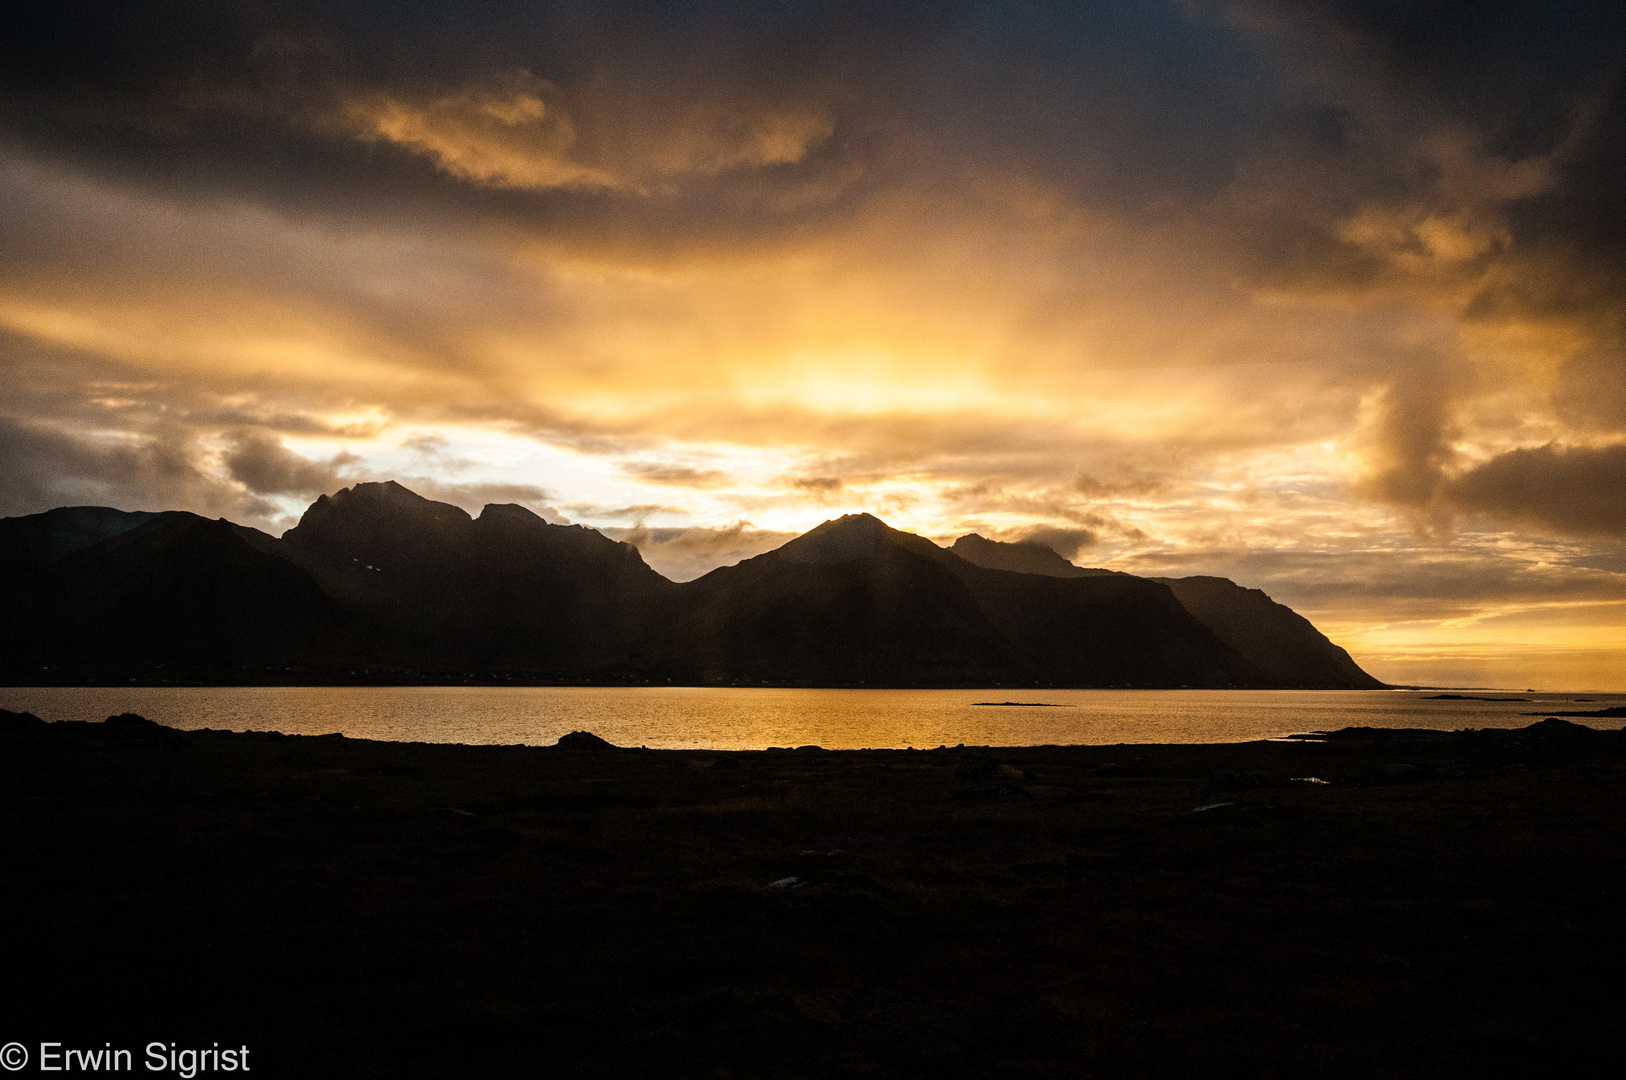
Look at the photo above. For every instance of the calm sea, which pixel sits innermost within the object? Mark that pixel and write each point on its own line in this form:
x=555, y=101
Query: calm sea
x=745, y=719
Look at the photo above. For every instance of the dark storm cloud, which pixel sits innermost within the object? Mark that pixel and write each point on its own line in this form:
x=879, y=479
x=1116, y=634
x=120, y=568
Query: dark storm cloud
x=1068, y=543
x=255, y=96
x=1506, y=59
x=1478, y=176
x=1574, y=490
x=1537, y=80
x=262, y=464
x=712, y=122
x=1520, y=82
x=1132, y=101
x=1427, y=583
x=46, y=468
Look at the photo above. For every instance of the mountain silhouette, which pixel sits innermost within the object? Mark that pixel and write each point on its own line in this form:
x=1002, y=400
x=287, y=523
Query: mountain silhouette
x=176, y=596
x=378, y=583
x=1025, y=557
x=505, y=589
x=854, y=602
x=850, y=603
x=1281, y=645
x=1278, y=640
x=28, y=543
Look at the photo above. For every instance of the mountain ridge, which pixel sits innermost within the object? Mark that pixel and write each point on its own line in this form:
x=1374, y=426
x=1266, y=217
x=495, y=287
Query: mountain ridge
x=377, y=583
x=1283, y=645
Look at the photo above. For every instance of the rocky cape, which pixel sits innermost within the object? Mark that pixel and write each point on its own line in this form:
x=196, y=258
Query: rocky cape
x=377, y=584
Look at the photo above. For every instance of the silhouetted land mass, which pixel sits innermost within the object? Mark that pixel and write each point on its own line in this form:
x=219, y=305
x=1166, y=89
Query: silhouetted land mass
x=35, y=541
x=176, y=593
x=1023, y=558
x=377, y=584
x=505, y=590
x=1281, y=646
x=1025, y=704
x=1445, y=904
x=1275, y=638
x=1612, y=711
x=856, y=601
x=1470, y=697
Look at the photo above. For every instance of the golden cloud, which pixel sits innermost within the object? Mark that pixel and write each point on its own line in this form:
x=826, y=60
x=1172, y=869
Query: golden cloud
x=769, y=278
x=518, y=132
x=509, y=134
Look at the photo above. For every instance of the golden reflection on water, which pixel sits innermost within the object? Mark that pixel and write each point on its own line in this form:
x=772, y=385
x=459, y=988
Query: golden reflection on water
x=726, y=718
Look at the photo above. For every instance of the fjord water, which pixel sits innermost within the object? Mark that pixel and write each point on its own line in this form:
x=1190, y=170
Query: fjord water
x=730, y=718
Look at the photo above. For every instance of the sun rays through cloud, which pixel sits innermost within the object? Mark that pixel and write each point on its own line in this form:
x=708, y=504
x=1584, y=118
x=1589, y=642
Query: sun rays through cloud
x=1284, y=292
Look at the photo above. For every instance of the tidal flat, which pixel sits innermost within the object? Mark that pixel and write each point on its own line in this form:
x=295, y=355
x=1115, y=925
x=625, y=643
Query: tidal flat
x=1367, y=903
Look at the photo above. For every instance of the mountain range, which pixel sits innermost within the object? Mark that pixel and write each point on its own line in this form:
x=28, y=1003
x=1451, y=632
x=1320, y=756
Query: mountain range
x=378, y=584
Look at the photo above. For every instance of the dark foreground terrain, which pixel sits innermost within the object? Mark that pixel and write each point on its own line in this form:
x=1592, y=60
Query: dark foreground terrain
x=1446, y=905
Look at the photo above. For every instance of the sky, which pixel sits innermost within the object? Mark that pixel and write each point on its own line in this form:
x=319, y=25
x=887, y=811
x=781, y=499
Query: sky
x=1324, y=297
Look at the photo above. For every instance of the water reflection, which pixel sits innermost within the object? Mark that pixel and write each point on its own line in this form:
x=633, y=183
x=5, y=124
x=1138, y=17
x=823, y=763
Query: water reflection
x=738, y=718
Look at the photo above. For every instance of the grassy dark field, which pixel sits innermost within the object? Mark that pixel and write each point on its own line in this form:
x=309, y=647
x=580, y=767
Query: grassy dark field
x=1445, y=905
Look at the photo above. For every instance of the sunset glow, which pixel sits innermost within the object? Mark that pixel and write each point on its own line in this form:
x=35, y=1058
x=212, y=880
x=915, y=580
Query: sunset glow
x=1250, y=289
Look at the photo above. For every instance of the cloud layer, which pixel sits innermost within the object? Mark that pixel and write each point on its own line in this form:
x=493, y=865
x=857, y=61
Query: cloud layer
x=1171, y=285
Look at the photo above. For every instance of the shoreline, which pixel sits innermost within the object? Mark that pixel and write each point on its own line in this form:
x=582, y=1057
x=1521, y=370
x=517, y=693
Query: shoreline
x=109, y=682
x=743, y=719
x=139, y=729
